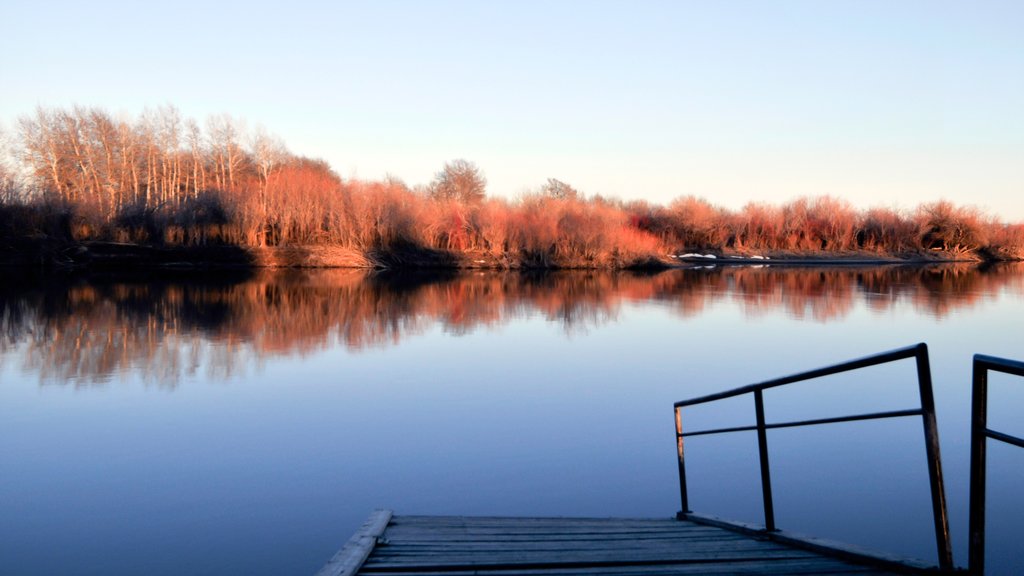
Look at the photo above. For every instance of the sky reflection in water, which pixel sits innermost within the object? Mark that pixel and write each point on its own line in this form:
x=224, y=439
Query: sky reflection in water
x=247, y=424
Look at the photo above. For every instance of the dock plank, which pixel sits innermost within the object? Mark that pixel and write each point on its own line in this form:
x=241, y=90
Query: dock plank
x=815, y=567
x=674, y=548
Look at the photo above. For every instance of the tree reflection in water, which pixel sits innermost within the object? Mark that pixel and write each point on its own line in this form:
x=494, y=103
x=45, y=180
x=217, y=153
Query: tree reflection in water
x=88, y=330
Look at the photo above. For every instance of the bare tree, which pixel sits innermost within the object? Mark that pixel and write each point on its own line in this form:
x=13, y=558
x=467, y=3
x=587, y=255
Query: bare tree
x=10, y=187
x=269, y=153
x=169, y=142
x=225, y=133
x=195, y=144
x=128, y=145
x=460, y=180
x=102, y=138
x=558, y=189
x=40, y=149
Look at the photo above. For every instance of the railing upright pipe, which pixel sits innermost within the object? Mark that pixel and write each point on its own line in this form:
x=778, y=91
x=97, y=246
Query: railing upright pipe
x=683, y=498
x=979, y=422
x=766, y=475
x=940, y=516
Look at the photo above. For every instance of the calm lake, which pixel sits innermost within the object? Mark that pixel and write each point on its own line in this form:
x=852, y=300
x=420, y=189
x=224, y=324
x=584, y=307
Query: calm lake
x=249, y=423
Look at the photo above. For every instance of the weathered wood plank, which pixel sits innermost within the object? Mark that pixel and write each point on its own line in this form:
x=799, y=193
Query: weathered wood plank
x=395, y=547
x=665, y=525
x=533, y=520
x=547, y=523
x=555, y=533
x=739, y=570
x=754, y=566
x=565, y=543
x=815, y=567
x=562, y=527
x=427, y=536
x=538, y=523
x=350, y=558
x=624, y=557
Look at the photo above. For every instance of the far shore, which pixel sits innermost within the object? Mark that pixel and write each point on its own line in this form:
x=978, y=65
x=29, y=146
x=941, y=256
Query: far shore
x=125, y=256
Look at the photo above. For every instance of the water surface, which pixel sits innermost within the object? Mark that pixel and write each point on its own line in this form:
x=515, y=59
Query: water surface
x=248, y=423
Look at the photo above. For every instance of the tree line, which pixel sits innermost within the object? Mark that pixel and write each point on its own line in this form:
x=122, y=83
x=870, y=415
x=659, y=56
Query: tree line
x=165, y=180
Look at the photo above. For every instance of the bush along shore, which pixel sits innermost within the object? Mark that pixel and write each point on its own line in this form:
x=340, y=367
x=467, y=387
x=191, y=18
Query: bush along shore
x=81, y=188
x=63, y=252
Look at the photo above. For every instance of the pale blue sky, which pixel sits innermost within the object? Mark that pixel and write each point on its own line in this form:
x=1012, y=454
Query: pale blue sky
x=879, y=102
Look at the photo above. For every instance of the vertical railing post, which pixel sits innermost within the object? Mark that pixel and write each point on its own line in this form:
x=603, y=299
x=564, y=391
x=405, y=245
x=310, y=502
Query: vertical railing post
x=979, y=423
x=766, y=477
x=683, y=499
x=931, y=443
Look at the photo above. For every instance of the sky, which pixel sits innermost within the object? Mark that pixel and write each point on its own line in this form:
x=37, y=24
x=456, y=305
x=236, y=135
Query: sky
x=882, y=103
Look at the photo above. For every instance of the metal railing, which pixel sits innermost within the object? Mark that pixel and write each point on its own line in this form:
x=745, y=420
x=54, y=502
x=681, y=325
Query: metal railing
x=926, y=411
x=980, y=433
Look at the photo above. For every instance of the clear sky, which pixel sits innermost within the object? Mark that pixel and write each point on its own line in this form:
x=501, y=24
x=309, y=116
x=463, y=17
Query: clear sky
x=880, y=102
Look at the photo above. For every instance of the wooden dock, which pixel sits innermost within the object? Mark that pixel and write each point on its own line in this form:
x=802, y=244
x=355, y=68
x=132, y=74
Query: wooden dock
x=425, y=545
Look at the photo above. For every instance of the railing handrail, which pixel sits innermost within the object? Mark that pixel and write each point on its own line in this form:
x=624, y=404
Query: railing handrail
x=814, y=422
x=866, y=361
x=997, y=364
x=926, y=411
x=980, y=433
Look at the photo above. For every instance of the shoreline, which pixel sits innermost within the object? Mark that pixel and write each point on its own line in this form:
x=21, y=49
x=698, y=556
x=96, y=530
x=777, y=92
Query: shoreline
x=830, y=260
x=126, y=256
